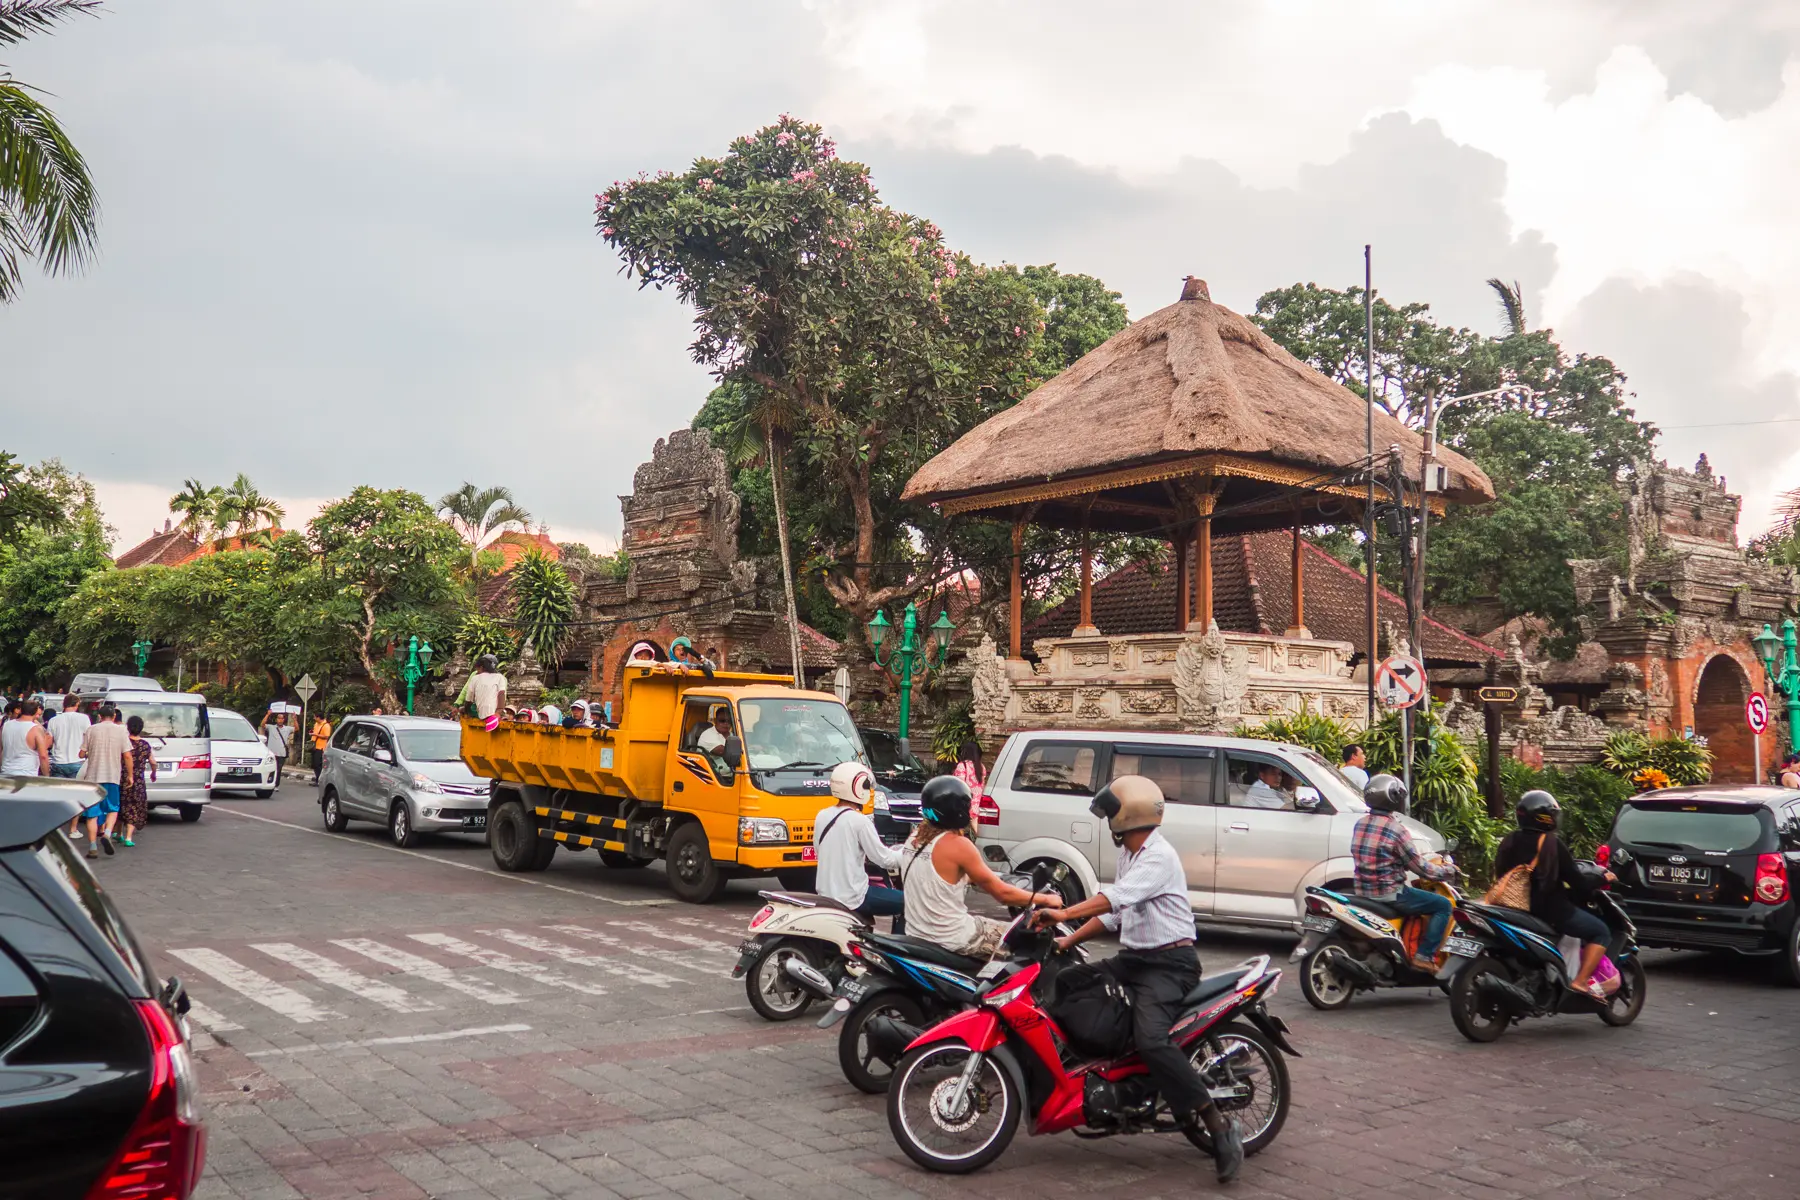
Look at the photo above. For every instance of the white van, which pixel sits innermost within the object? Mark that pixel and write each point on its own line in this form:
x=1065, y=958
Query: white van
x=1250, y=847
x=176, y=725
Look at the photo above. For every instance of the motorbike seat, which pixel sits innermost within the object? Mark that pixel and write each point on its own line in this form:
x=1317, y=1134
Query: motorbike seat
x=1380, y=908
x=1211, y=987
x=924, y=951
x=809, y=898
x=1517, y=918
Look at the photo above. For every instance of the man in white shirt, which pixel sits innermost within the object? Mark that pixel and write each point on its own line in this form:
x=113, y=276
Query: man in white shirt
x=712, y=738
x=486, y=689
x=67, y=729
x=1355, y=767
x=278, y=737
x=844, y=837
x=1147, y=905
x=1266, y=792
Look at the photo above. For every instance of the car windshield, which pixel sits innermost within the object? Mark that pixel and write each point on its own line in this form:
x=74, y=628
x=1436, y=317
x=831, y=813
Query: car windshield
x=229, y=727
x=885, y=758
x=430, y=745
x=1690, y=826
x=792, y=733
x=165, y=720
x=1344, y=795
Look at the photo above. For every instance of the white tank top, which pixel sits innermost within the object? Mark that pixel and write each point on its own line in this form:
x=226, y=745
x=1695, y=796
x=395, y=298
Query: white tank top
x=17, y=758
x=935, y=911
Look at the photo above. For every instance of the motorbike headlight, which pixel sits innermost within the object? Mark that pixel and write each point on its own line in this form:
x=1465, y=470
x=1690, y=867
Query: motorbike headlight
x=425, y=783
x=761, y=830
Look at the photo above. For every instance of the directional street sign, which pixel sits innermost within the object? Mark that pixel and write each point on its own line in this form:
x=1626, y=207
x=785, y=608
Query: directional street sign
x=306, y=687
x=1400, y=681
x=1498, y=695
x=1756, y=712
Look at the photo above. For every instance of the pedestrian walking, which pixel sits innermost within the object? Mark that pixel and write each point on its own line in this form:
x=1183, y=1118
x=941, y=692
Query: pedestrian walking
x=321, y=738
x=134, y=790
x=24, y=744
x=67, y=728
x=969, y=767
x=106, y=747
x=278, y=736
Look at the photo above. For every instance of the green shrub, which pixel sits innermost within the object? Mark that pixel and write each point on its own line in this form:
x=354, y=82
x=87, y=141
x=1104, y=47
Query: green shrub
x=1323, y=734
x=955, y=727
x=1590, y=797
x=1684, y=761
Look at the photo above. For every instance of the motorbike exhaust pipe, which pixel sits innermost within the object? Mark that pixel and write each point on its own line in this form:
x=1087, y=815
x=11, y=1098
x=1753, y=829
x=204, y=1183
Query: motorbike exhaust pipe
x=1510, y=994
x=1353, y=971
x=808, y=977
x=889, y=1038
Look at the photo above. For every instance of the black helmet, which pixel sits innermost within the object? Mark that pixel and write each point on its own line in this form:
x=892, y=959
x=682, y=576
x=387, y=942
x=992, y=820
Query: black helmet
x=1385, y=793
x=1539, y=812
x=946, y=802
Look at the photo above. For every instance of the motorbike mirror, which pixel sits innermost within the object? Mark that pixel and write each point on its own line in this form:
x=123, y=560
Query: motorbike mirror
x=1450, y=845
x=733, y=751
x=1059, y=873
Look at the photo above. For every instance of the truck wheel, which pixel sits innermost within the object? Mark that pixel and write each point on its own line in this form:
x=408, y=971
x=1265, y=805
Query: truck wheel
x=693, y=875
x=513, y=837
x=623, y=860
x=541, y=856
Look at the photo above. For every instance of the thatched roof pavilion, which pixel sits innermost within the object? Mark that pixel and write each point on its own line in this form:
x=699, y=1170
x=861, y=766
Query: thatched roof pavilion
x=1189, y=421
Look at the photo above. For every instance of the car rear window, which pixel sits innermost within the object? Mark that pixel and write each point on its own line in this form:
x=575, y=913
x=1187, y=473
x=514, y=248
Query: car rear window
x=165, y=720
x=1066, y=767
x=1691, y=826
x=62, y=864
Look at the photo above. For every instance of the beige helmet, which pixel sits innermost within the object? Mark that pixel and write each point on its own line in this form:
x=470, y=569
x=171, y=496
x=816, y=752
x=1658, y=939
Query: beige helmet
x=1128, y=804
x=853, y=783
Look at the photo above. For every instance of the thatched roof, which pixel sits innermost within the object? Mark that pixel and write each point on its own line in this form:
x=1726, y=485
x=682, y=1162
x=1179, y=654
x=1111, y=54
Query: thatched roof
x=1190, y=391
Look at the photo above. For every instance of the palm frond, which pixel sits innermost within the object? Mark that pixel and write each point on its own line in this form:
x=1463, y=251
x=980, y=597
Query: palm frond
x=1512, y=305
x=19, y=19
x=44, y=181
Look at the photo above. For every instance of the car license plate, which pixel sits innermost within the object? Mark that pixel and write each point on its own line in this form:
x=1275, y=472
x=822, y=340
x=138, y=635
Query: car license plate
x=167, y=766
x=240, y=775
x=1466, y=947
x=1680, y=876
x=1322, y=924
x=477, y=821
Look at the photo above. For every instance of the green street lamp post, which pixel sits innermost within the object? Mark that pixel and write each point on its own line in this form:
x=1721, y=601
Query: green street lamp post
x=909, y=652
x=418, y=661
x=1785, y=678
x=140, y=650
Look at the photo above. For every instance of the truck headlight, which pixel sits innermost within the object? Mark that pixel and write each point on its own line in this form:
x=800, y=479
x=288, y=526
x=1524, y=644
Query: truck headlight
x=425, y=783
x=755, y=830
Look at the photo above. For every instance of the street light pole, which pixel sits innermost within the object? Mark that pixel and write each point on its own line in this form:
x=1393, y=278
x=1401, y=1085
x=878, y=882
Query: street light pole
x=140, y=650
x=1786, y=677
x=418, y=661
x=909, y=651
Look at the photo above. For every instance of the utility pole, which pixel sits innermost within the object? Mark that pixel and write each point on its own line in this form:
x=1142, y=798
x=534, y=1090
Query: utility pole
x=1369, y=462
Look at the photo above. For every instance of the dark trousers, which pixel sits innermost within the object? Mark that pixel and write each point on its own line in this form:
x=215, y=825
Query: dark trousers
x=885, y=902
x=318, y=762
x=1157, y=980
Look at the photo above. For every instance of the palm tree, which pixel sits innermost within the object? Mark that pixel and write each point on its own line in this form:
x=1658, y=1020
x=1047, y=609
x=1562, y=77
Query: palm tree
x=544, y=600
x=1512, y=305
x=198, y=507
x=245, y=509
x=48, y=207
x=480, y=515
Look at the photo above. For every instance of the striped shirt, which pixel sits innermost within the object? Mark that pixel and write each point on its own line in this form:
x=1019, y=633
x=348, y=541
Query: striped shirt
x=1149, y=895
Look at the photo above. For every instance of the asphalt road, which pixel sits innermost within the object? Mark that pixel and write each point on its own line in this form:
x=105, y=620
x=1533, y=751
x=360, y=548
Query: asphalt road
x=381, y=1022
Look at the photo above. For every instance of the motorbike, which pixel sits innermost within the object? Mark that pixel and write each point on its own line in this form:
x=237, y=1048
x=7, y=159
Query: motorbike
x=794, y=927
x=1352, y=944
x=958, y=1093
x=1504, y=965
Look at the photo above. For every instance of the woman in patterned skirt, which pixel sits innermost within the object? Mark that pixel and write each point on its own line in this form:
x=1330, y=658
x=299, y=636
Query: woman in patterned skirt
x=134, y=796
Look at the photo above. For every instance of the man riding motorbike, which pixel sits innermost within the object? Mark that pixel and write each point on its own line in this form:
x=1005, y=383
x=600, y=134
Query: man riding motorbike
x=938, y=866
x=1557, y=886
x=844, y=838
x=1147, y=906
x=1384, y=852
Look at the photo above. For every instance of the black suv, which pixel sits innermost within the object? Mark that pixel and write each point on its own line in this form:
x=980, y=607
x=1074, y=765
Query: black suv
x=1711, y=868
x=98, y=1094
x=899, y=778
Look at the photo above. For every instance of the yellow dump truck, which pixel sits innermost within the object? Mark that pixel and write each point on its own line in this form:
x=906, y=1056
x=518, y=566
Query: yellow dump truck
x=718, y=776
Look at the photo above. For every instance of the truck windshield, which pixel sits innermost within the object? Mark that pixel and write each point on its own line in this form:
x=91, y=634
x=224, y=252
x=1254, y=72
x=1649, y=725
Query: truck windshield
x=795, y=733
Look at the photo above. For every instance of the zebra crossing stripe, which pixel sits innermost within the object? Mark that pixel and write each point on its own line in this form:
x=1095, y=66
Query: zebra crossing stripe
x=430, y=972
x=209, y=1020
x=661, y=956
x=326, y=971
x=571, y=955
x=255, y=986
x=707, y=945
x=536, y=972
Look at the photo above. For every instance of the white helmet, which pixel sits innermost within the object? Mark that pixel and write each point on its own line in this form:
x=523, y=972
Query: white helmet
x=852, y=783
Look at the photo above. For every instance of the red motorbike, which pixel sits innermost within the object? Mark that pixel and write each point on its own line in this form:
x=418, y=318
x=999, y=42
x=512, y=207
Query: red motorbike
x=957, y=1095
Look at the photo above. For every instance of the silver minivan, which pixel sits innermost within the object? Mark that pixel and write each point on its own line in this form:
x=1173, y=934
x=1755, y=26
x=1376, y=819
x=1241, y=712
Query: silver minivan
x=1255, y=822
x=175, y=724
x=406, y=773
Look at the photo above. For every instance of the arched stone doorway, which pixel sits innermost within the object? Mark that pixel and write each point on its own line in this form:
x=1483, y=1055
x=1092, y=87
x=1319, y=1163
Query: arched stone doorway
x=1719, y=718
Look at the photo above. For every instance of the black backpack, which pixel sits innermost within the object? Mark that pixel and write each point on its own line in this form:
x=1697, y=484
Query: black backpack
x=1092, y=1010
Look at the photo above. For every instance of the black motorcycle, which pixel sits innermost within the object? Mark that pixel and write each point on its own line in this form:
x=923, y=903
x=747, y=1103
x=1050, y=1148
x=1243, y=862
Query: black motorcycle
x=1504, y=965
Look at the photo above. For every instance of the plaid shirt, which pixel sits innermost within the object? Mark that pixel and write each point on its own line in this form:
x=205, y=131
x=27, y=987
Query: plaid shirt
x=1384, y=852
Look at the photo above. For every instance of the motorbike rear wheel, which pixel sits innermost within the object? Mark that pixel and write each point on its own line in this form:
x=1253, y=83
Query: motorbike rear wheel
x=1479, y=1018
x=1263, y=1068
x=772, y=994
x=1628, y=1001
x=953, y=1143
x=856, y=1056
x=1323, y=987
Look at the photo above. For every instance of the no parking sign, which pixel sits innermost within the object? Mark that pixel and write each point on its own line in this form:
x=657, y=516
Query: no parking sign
x=1756, y=713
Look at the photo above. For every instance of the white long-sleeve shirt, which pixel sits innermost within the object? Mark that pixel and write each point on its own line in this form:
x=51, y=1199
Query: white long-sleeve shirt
x=842, y=838
x=1149, y=895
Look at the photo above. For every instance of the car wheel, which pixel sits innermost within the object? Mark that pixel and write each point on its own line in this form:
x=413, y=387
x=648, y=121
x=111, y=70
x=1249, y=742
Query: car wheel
x=693, y=875
x=1069, y=889
x=264, y=793
x=513, y=837
x=189, y=812
x=335, y=820
x=1787, y=965
x=400, y=827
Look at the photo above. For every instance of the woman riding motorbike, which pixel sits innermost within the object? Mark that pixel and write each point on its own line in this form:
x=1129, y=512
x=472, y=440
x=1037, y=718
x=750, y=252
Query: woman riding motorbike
x=1557, y=886
x=938, y=865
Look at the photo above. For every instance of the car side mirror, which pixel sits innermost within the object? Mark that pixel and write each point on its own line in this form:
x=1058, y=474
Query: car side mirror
x=384, y=756
x=1790, y=834
x=1307, y=799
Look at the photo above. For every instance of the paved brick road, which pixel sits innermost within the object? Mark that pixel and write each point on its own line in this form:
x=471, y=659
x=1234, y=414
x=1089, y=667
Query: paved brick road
x=408, y=1024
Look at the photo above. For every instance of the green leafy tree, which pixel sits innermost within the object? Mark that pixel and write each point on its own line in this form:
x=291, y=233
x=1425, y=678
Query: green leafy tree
x=23, y=501
x=38, y=571
x=544, y=601
x=49, y=210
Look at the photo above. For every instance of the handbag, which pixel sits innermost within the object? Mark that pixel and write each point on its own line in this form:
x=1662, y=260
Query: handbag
x=1093, y=1010
x=1513, y=889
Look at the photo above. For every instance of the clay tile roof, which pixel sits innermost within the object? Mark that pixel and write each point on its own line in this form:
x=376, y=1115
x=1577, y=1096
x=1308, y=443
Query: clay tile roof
x=514, y=545
x=1253, y=593
x=160, y=549
x=817, y=649
x=1188, y=380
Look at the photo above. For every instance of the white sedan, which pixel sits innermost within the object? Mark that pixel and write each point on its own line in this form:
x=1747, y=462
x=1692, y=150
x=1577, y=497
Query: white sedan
x=240, y=760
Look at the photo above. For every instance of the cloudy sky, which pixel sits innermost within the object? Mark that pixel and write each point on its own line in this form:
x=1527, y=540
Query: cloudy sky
x=351, y=241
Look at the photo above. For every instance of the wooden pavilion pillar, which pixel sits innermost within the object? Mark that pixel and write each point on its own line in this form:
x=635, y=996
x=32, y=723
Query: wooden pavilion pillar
x=1085, y=627
x=1204, y=500
x=1016, y=611
x=1183, y=601
x=1298, y=629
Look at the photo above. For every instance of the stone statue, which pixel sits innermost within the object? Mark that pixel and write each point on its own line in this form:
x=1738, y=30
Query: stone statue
x=1211, y=678
x=989, y=687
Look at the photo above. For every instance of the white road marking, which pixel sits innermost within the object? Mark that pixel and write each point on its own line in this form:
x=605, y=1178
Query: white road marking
x=326, y=971
x=206, y=1018
x=708, y=945
x=661, y=956
x=410, y=1039
x=444, y=862
x=506, y=962
x=253, y=985
x=569, y=954
x=424, y=968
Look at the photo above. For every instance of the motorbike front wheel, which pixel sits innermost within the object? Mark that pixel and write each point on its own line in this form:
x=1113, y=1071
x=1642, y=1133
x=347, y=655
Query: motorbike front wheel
x=773, y=995
x=862, y=1067
x=932, y=1129
x=1242, y=1056
x=1324, y=988
x=1478, y=1017
x=1628, y=1001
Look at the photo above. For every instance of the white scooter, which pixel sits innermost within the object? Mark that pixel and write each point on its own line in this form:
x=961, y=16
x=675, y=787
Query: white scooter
x=794, y=926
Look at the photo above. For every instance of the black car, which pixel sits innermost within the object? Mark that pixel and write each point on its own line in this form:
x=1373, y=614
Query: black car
x=899, y=778
x=1711, y=868
x=98, y=1092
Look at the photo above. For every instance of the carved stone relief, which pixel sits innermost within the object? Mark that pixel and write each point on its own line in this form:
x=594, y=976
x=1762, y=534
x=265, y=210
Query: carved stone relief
x=1090, y=702
x=989, y=687
x=1211, y=677
x=1147, y=701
